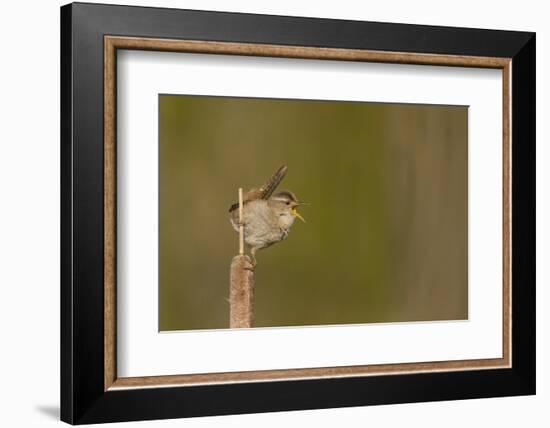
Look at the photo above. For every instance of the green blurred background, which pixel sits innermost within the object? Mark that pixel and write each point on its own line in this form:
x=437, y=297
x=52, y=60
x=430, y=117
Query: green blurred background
x=386, y=232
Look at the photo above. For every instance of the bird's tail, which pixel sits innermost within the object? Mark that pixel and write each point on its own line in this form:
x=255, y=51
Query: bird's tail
x=269, y=187
x=266, y=190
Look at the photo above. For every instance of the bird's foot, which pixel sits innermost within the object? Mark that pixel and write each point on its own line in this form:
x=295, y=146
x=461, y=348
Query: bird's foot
x=251, y=265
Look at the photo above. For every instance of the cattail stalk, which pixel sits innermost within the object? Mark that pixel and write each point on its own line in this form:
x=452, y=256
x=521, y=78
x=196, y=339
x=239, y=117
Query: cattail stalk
x=241, y=226
x=241, y=290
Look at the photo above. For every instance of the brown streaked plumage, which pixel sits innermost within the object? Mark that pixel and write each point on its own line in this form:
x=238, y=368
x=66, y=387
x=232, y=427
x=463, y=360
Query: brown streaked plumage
x=267, y=217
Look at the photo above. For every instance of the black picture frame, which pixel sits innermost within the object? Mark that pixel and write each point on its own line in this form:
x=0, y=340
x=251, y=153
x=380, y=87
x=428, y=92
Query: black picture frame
x=83, y=396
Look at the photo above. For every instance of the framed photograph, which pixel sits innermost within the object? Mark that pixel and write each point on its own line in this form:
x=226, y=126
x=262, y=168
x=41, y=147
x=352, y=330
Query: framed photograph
x=265, y=213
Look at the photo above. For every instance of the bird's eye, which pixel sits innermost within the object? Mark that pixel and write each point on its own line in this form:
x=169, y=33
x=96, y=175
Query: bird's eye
x=288, y=203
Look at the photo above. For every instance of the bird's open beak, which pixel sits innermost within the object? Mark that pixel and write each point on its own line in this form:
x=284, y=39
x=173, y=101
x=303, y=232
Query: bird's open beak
x=297, y=214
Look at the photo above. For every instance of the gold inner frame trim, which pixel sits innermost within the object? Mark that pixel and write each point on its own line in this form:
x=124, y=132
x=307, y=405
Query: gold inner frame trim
x=113, y=43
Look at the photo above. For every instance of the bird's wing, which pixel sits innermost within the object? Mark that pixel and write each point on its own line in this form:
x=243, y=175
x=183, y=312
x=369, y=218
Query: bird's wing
x=266, y=190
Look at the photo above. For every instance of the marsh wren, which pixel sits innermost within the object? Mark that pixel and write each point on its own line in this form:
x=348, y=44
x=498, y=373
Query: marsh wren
x=267, y=217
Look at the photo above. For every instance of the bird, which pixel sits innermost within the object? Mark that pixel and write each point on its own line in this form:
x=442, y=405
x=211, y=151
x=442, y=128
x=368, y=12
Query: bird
x=267, y=216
